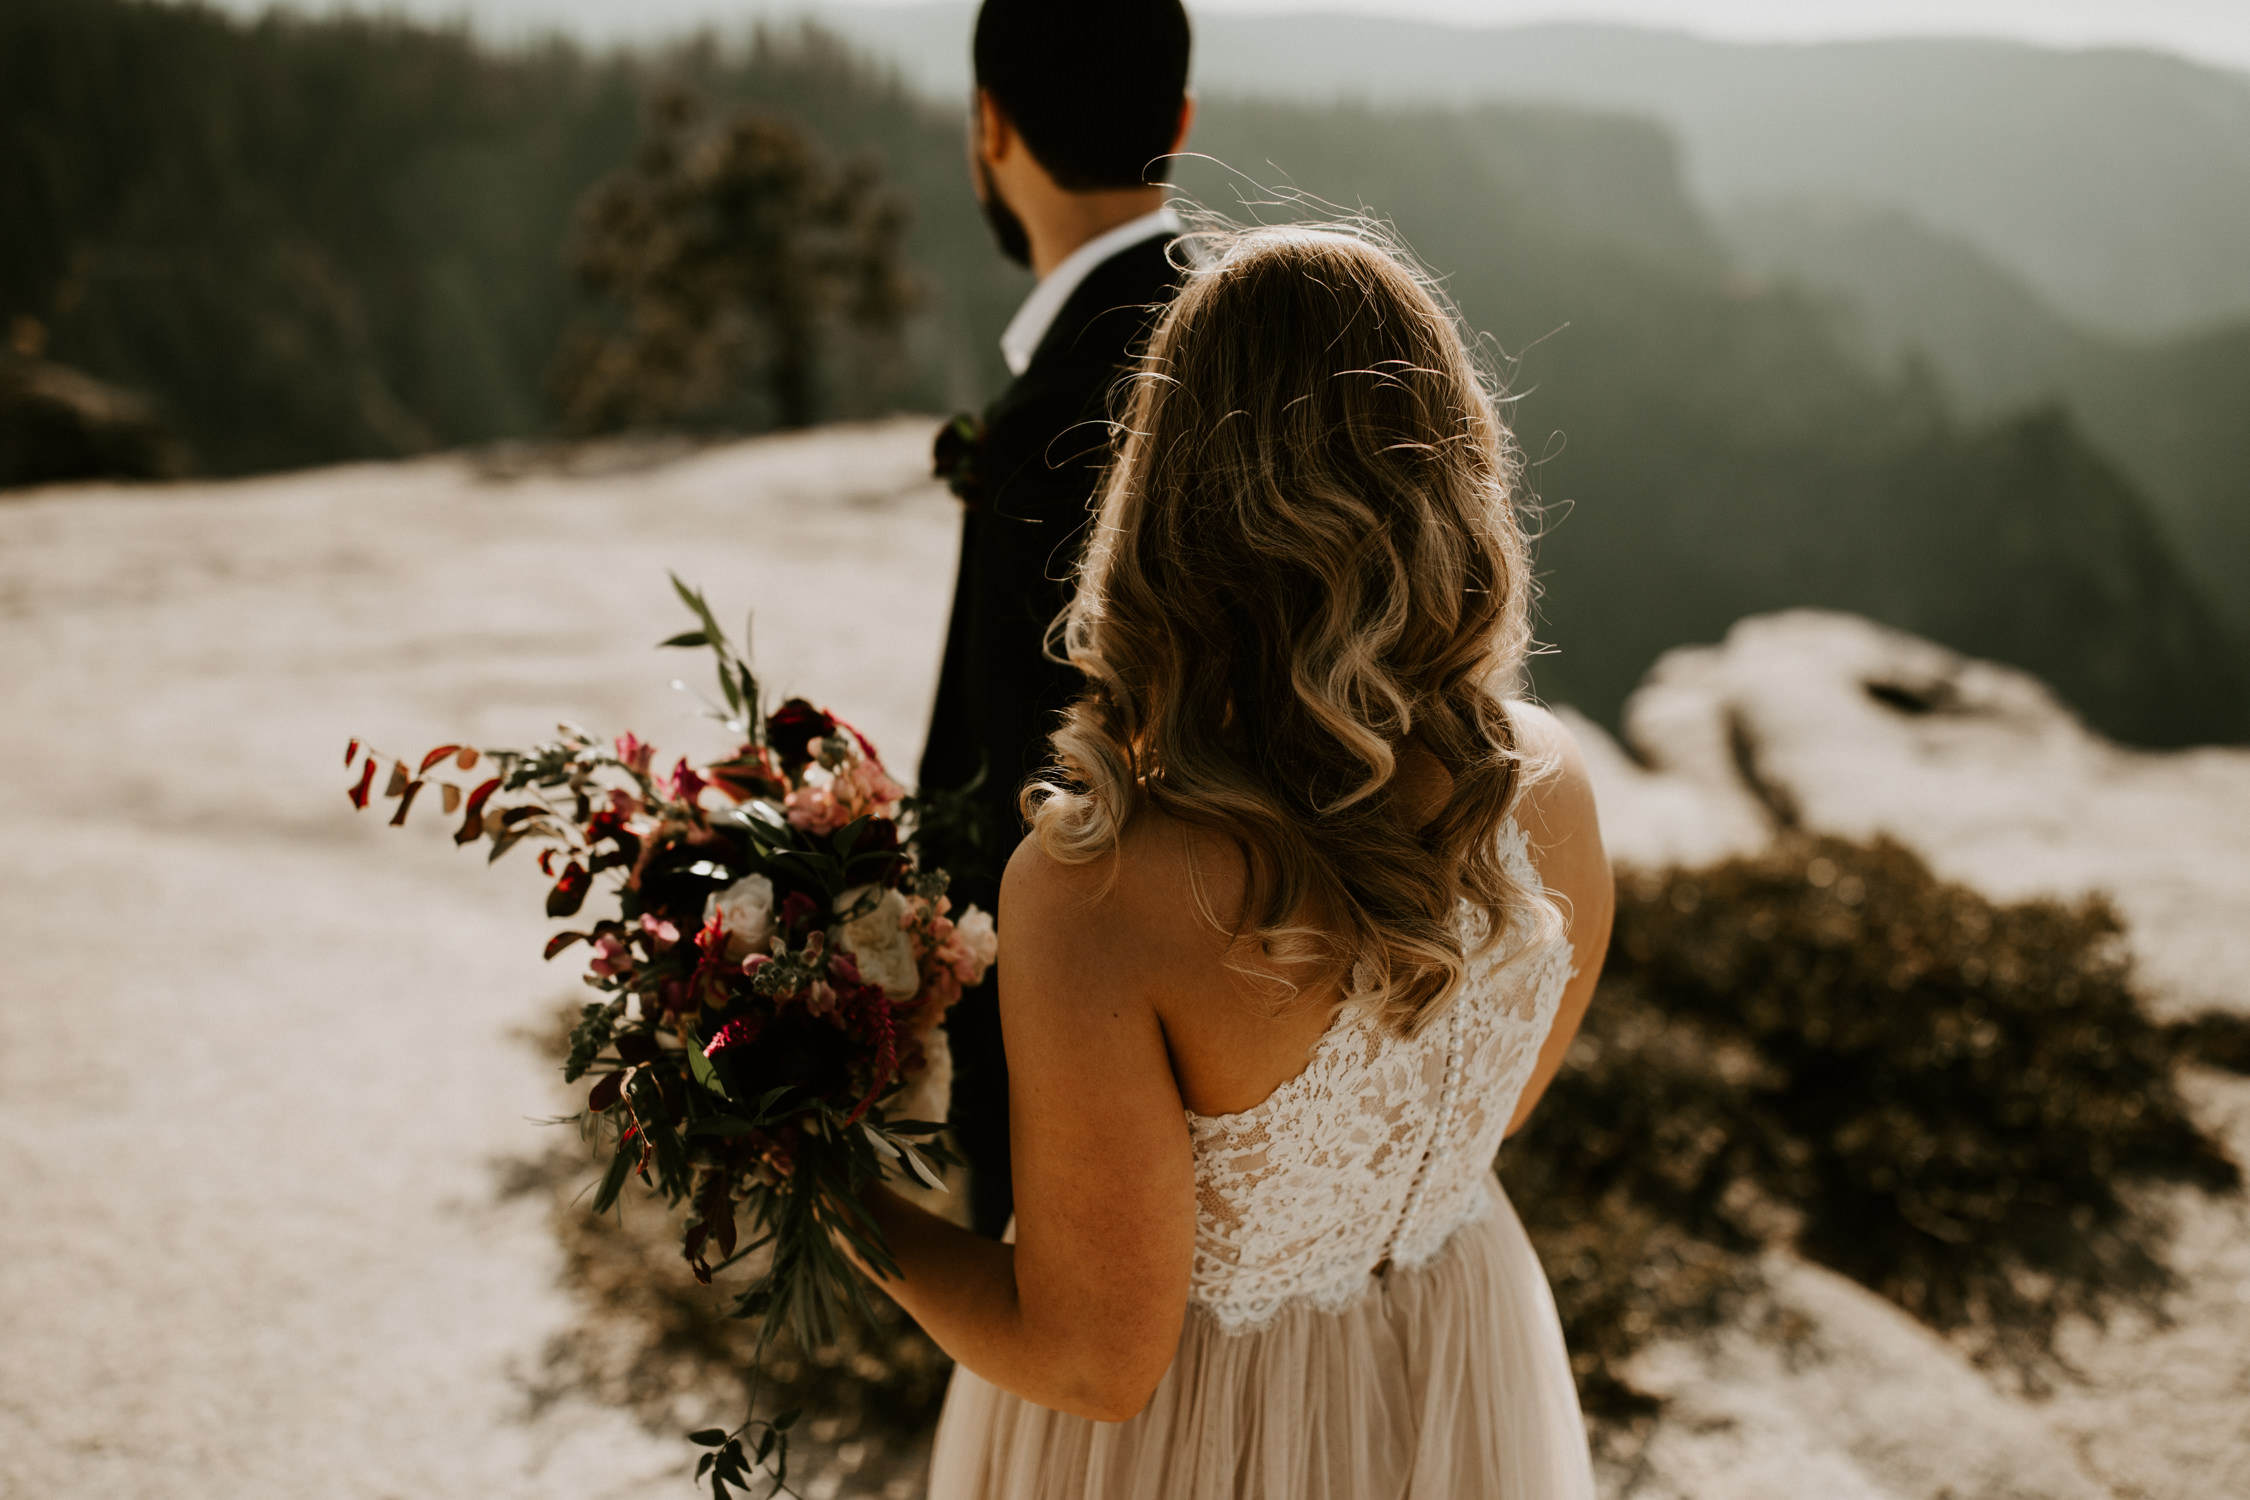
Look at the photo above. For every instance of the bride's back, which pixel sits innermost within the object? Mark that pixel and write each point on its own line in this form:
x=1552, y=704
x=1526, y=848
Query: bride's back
x=1293, y=786
x=1330, y=1146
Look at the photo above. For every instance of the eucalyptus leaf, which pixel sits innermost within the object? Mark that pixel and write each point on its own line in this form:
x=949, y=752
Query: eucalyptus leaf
x=613, y=1180
x=704, y=1073
x=922, y=1168
x=722, y=1125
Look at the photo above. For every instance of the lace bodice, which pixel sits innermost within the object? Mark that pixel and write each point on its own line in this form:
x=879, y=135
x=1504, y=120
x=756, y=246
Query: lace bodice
x=1382, y=1147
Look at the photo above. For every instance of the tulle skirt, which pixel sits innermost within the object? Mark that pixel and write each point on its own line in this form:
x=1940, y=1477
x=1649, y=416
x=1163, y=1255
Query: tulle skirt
x=1447, y=1382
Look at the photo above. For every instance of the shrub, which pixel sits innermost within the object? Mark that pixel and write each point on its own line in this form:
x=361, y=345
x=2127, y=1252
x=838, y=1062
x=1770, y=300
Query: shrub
x=1947, y=1099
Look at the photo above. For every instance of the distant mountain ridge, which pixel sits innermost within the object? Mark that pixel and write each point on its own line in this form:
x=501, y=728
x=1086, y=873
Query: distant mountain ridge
x=2116, y=183
x=1707, y=449
x=2175, y=413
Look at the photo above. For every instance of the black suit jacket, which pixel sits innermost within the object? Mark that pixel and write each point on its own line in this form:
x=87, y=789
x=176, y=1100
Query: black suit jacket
x=1044, y=445
x=1030, y=496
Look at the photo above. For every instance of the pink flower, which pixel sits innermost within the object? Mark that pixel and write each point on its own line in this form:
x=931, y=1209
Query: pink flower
x=635, y=754
x=662, y=931
x=865, y=789
x=940, y=994
x=611, y=957
x=814, y=808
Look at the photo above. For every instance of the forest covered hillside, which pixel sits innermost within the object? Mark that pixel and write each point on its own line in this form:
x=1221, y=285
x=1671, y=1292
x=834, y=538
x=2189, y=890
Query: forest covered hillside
x=2174, y=412
x=314, y=241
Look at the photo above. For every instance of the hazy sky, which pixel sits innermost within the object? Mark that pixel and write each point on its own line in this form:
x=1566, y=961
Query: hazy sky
x=2214, y=30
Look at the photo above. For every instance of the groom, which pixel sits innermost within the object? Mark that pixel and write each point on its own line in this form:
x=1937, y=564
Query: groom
x=1076, y=106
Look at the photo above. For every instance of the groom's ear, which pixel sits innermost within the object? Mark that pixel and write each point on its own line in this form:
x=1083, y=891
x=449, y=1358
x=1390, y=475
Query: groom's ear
x=1187, y=123
x=996, y=136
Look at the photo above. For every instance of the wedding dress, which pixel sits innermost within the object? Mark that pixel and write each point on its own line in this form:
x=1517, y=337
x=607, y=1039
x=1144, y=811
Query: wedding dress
x=1366, y=1318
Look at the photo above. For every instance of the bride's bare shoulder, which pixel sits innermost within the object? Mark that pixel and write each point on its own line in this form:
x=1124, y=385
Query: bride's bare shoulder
x=1555, y=807
x=1167, y=889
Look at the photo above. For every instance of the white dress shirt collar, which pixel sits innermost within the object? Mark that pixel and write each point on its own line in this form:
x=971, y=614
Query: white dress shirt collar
x=1030, y=324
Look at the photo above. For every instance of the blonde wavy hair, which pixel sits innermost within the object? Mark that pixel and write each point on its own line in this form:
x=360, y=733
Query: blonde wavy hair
x=1307, y=552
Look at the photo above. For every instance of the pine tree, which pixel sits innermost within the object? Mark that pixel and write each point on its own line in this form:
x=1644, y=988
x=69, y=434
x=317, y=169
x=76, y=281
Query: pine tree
x=729, y=269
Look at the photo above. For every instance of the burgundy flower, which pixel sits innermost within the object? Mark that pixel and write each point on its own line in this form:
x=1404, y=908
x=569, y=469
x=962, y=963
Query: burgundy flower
x=797, y=908
x=684, y=785
x=792, y=728
x=880, y=836
x=734, y=1034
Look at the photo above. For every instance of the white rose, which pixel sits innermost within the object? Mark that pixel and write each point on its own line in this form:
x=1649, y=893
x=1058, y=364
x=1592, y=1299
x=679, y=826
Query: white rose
x=877, y=941
x=978, y=936
x=745, y=912
x=929, y=1094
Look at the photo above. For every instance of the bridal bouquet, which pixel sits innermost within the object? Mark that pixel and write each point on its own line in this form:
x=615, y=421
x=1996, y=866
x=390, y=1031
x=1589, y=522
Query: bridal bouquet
x=770, y=978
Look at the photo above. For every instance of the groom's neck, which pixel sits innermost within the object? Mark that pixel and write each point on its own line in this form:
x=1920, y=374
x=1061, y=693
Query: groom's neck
x=1063, y=221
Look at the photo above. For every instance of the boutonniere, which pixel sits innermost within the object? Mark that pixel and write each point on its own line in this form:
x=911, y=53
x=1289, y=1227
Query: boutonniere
x=958, y=456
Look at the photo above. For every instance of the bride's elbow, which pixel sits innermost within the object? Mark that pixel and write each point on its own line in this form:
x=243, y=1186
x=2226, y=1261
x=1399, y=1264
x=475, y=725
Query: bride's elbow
x=1115, y=1386
x=1113, y=1400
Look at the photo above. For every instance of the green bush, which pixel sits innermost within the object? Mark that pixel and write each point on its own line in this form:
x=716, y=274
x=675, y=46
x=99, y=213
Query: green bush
x=1946, y=1099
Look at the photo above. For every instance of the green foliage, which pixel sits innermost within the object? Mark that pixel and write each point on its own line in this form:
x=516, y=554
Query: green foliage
x=312, y=240
x=2169, y=410
x=727, y=262
x=1948, y=1100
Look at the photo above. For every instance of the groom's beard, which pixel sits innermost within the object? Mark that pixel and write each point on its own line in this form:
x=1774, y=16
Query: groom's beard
x=1007, y=229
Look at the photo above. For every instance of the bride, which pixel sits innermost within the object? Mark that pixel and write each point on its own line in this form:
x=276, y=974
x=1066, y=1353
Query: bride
x=1307, y=917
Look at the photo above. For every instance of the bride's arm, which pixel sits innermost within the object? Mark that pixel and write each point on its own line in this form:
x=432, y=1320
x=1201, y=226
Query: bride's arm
x=1558, y=818
x=1083, y=1312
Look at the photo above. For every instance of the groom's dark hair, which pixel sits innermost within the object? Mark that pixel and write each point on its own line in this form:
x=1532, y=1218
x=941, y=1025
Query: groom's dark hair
x=1094, y=87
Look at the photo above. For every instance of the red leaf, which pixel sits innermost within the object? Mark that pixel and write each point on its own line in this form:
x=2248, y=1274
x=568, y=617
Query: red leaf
x=562, y=940
x=467, y=759
x=351, y=752
x=398, y=819
x=358, y=794
x=440, y=753
x=605, y=1093
x=452, y=802
x=399, y=780
x=724, y=1213
x=472, y=822
x=569, y=893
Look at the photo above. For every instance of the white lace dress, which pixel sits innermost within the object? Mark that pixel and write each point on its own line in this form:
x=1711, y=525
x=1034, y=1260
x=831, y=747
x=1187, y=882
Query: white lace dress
x=1366, y=1318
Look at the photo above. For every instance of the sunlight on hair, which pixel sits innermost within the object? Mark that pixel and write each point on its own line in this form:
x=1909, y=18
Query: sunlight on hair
x=1308, y=577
